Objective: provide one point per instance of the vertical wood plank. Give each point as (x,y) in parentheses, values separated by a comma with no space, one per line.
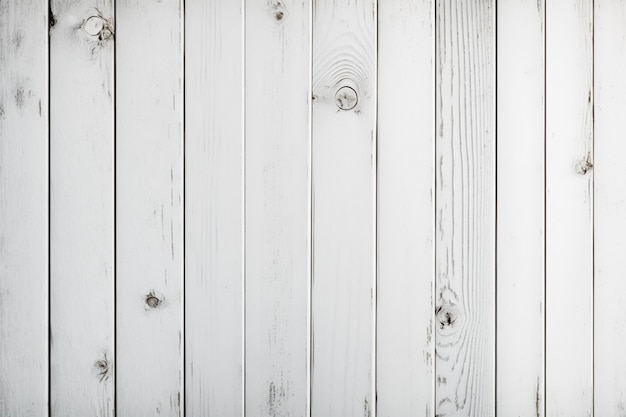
(465,209)
(277,206)
(569,208)
(344,208)
(520,210)
(149,208)
(81,208)
(24,208)
(609,208)
(213,207)
(406,105)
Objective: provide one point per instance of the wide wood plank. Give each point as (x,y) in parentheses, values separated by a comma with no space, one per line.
(344,208)
(520,210)
(277,207)
(81,208)
(149,212)
(465,209)
(569,208)
(406,151)
(609,208)
(213,207)
(24,208)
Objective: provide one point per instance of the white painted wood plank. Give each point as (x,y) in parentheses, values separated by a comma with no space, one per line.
(214,207)
(465,209)
(406,105)
(609,208)
(569,208)
(520,209)
(344,208)
(81,208)
(149,194)
(24,208)
(277,206)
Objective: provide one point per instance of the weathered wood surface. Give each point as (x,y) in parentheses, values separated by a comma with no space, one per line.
(23,208)
(569,208)
(520,214)
(465,209)
(213,207)
(81,209)
(288,208)
(149,208)
(344,208)
(405,342)
(277,204)
(609,208)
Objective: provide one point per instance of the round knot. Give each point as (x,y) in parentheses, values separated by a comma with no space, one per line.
(278,10)
(97,26)
(346,98)
(446,315)
(152,300)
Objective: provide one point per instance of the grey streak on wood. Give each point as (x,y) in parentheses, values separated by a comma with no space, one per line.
(23,208)
(465,209)
(569,208)
(214,208)
(521,208)
(343,294)
(277,85)
(149,207)
(81,213)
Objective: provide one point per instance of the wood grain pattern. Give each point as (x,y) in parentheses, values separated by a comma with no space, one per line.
(609,208)
(465,209)
(405,322)
(344,208)
(149,212)
(214,207)
(520,210)
(569,208)
(23,208)
(81,208)
(277,206)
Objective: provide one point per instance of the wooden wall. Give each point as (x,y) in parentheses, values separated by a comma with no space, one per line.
(312,208)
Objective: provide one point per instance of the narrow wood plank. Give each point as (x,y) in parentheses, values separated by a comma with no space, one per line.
(81,208)
(406,105)
(609,207)
(24,208)
(520,210)
(213,207)
(277,206)
(465,209)
(569,208)
(149,194)
(344,208)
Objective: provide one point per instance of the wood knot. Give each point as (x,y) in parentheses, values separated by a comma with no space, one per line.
(278,10)
(447,316)
(51,19)
(99,27)
(346,98)
(153,300)
(583,166)
(102,369)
